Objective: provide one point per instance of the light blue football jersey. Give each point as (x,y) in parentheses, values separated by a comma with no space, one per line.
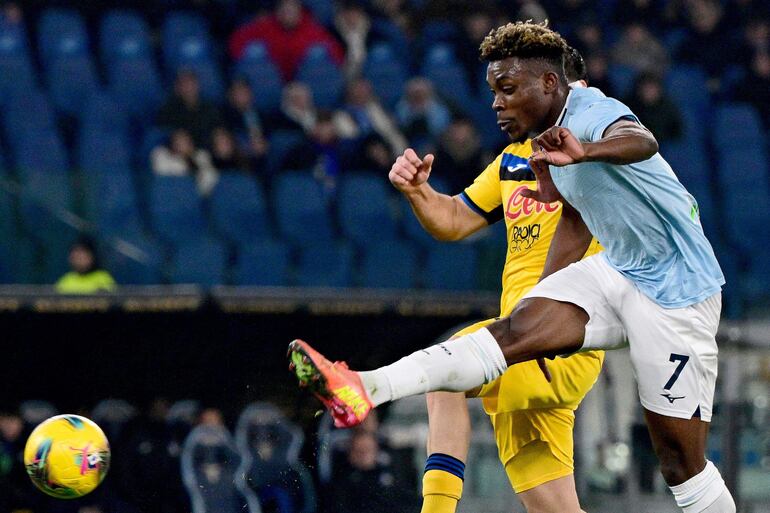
(641,213)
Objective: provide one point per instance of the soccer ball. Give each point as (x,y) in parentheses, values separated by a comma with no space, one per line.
(67,456)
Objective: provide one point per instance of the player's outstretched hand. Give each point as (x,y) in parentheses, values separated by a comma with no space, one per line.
(546,191)
(410,171)
(558,147)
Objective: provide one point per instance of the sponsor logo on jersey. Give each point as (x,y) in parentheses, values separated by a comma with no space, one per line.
(518,205)
(524,237)
(672,398)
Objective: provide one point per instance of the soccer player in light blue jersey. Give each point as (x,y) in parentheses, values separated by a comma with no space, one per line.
(655,288)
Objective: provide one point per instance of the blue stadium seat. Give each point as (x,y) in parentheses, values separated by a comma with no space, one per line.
(29,112)
(272,444)
(124,35)
(71,81)
(134,259)
(364,200)
(281,143)
(41,153)
(451,267)
(61,32)
(686,85)
(322,10)
(260,71)
(176,211)
(104,113)
(690,163)
(17,73)
(301,209)
(441,31)
(136,84)
(202,261)
(386,72)
(744,178)
(392,264)
(110,203)
(18,261)
(737,123)
(622,79)
(447,74)
(239,208)
(325,265)
(187,44)
(211,473)
(43,195)
(104,152)
(263,263)
(323,76)
(411,226)
(384,30)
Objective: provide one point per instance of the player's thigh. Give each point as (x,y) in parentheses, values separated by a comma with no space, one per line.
(673,354)
(557,496)
(568,311)
(536,446)
(679,444)
(524,387)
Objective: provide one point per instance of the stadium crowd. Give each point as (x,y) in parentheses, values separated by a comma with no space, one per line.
(119,111)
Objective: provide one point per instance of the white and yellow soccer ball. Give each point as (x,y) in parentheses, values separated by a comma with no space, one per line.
(67,456)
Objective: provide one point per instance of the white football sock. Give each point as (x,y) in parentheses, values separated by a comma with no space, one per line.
(704,493)
(454,366)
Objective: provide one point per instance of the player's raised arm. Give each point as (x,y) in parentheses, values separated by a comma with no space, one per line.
(444,217)
(570,241)
(623,142)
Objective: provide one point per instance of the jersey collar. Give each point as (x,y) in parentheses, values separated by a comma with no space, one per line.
(566,103)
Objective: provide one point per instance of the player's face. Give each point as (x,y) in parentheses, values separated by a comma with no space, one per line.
(521,96)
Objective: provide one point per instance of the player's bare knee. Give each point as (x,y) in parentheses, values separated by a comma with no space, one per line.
(673,470)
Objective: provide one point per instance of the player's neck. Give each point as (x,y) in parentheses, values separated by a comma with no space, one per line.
(557,107)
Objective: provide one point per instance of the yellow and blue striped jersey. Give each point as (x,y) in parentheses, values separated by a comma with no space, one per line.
(530,225)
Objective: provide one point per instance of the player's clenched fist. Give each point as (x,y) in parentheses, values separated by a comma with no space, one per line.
(410,171)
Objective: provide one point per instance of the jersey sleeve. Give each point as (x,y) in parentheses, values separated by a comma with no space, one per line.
(483,195)
(590,124)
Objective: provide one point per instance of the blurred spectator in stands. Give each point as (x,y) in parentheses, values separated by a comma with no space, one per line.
(147,444)
(529,10)
(324,154)
(86,275)
(244,121)
(420,113)
(187,110)
(395,12)
(288,32)
(374,155)
(367,479)
(211,417)
(476,24)
(564,14)
(597,66)
(756,38)
(655,110)
(755,88)
(180,157)
(352,25)
(708,43)
(638,49)
(298,112)
(645,12)
(14,484)
(11,13)
(460,158)
(227,156)
(589,37)
(363,115)
(740,12)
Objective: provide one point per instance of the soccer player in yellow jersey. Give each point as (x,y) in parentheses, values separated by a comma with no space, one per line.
(533,419)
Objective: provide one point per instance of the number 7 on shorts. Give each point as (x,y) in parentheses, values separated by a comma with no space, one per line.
(682,359)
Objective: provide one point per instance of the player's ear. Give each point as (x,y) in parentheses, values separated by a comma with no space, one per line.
(550,81)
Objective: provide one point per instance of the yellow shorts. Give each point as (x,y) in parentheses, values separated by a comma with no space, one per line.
(533,419)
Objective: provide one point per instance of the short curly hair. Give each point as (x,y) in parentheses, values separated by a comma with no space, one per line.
(526,40)
(574,65)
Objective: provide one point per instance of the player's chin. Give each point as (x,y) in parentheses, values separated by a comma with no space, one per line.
(517,136)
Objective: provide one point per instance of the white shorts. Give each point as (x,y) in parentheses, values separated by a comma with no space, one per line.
(673,350)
